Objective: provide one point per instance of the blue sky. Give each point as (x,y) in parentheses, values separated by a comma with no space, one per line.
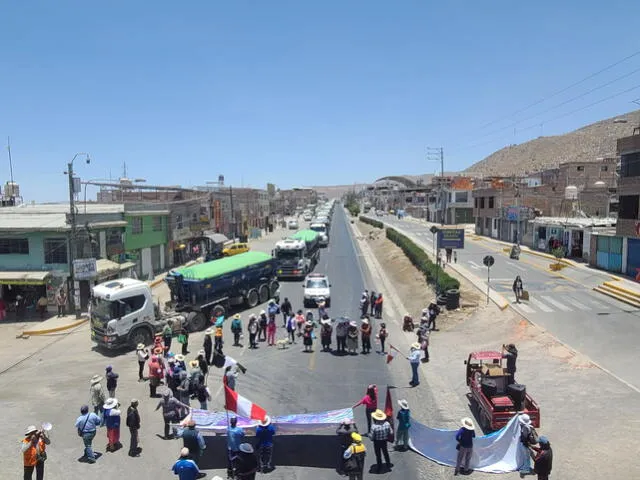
(294,92)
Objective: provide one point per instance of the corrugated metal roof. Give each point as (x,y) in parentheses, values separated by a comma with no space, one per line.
(50,208)
(34,222)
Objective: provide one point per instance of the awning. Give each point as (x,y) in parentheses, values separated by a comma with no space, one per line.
(127,265)
(24,278)
(106,268)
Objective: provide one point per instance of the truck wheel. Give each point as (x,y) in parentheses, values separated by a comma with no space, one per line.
(252,298)
(140,335)
(218,311)
(196,321)
(264,293)
(273,288)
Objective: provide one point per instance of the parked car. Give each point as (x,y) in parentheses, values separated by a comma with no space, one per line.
(235,249)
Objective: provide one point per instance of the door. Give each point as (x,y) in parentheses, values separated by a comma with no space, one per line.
(156,259)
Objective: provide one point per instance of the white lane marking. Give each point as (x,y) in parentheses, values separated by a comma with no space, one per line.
(524,307)
(474,265)
(557,304)
(540,305)
(515,265)
(597,303)
(578,304)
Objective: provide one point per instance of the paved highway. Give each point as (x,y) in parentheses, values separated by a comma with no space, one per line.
(563,303)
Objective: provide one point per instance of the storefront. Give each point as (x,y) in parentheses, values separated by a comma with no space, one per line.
(21,291)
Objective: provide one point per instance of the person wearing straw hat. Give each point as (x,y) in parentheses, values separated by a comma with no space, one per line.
(528,437)
(365,335)
(185,468)
(380,432)
(404,423)
(207,345)
(96,392)
(265,433)
(236,329)
(143,355)
(246,462)
(465,437)
(344,431)
(354,457)
(415,354)
(253,328)
(352,338)
(111,420)
(34,446)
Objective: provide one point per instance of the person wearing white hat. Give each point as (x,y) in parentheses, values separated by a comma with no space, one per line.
(465,437)
(236,329)
(142,353)
(112,422)
(96,393)
(185,468)
(365,335)
(262,326)
(414,357)
(381,431)
(352,338)
(404,423)
(34,452)
(246,462)
(265,433)
(253,328)
(528,437)
(208,345)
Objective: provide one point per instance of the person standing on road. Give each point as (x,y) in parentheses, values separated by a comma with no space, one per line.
(364,304)
(372,302)
(203,366)
(465,437)
(235,435)
(143,355)
(300,321)
(217,338)
(291,328)
(171,407)
(423,340)
(326,330)
(246,463)
(354,457)
(404,423)
(112,381)
(517,288)
(253,328)
(307,337)
(370,402)
(111,420)
(34,454)
(203,394)
(380,432)
(341,335)
(286,309)
(167,337)
(262,326)
(193,440)
(61,302)
(510,353)
(96,393)
(344,431)
(87,424)
(414,360)
(271,330)
(352,338)
(265,433)
(365,334)
(184,390)
(183,339)
(155,375)
(185,468)
(41,306)
(528,438)
(230,376)
(542,458)
(207,345)
(236,329)
(133,422)
(382,336)
(378,309)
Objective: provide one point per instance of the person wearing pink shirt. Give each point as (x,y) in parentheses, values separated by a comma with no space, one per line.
(370,402)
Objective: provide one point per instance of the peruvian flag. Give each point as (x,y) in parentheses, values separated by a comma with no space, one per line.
(388,410)
(391,354)
(241,406)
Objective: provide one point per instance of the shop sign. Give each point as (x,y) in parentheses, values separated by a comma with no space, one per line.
(85,268)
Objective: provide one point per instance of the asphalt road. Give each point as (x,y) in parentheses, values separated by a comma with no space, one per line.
(52,384)
(563,303)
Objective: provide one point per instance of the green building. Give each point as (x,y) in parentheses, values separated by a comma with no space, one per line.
(146,240)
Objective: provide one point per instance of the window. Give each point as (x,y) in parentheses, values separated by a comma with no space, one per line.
(462,197)
(580,168)
(604,168)
(114,237)
(136,225)
(157,223)
(131,304)
(628,207)
(55,250)
(179,225)
(487,223)
(475,202)
(630,165)
(491,201)
(481,202)
(17,246)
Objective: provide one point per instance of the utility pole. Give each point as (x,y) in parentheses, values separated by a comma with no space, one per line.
(437,154)
(231,216)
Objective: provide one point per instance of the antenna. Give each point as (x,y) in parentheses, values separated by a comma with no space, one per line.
(124,169)
(10,161)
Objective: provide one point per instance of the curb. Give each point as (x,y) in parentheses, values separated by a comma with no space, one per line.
(628,291)
(55,329)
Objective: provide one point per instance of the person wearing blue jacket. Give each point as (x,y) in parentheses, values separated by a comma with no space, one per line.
(265,433)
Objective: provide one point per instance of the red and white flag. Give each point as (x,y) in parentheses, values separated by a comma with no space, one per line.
(391,354)
(241,406)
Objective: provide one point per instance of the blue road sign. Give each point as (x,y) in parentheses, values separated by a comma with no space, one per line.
(451,238)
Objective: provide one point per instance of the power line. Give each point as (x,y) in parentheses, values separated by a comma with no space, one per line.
(562,90)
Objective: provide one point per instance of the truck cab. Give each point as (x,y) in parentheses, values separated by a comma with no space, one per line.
(290,255)
(322,230)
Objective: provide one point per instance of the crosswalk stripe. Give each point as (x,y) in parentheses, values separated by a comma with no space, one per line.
(597,303)
(581,306)
(524,307)
(557,304)
(540,305)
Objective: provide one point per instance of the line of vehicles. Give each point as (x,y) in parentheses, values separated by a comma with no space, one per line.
(123,312)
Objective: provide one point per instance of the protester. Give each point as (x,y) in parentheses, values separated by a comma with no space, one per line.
(143,355)
(61,302)
(203,394)
(354,457)
(517,288)
(207,345)
(111,420)
(236,329)
(414,360)
(171,407)
(272,310)
(157,344)
(300,321)
(465,437)
(542,458)
(326,330)
(407,323)
(372,302)
(370,402)
(432,314)
(195,375)
(365,334)
(510,353)
(364,304)
(183,339)
(235,435)
(167,336)
(271,329)
(180,362)
(246,463)
(156,373)
(528,438)
(286,309)
(41,306)
(184,388)
(404,423)
(262,326)
(382,336)
(378,306)
(185,468)
(291,328)
(112,381)
(307,337)
(217,337)
(193,440)
(97,394)
(203,365)
(344,431)
(264,434)
(87,425)
(230,376)
(352,338)
(133,422)
(34,452)
(379,434)
(322,308)
(423,340)
(341,335)
(253,328)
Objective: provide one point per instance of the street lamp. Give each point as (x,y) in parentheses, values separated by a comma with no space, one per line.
(73,241)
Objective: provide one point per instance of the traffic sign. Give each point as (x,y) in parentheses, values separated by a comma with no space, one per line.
(451,238)
(488,261)
(434,229)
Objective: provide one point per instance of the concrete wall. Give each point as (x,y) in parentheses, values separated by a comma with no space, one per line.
(35,259)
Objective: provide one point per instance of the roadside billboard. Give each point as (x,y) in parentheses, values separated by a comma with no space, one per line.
(451,238)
